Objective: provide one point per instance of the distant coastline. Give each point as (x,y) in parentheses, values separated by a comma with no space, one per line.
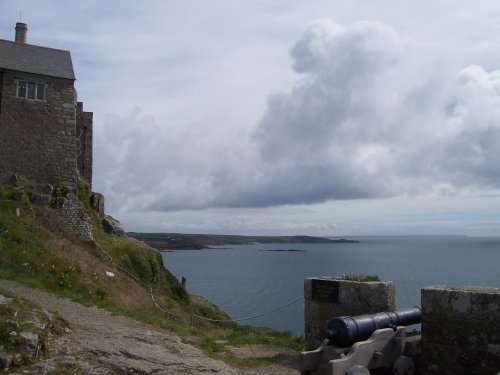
(179,241)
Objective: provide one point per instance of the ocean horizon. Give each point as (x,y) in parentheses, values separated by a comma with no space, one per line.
(250,280)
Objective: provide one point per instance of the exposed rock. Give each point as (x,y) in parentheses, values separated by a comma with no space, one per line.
(17,360)
(102,344)
(97,202)
(258,351)
(46,189)
(59,202)
(112,226)
(4,300)
(105,344)
(44,368)
(5,361)
(48,317)
(29,339)
(12,336)
(18,195)
(40,199)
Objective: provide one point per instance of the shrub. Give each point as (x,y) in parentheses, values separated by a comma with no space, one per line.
(357,277)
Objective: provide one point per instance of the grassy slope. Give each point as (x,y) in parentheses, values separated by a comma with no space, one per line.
(35,251)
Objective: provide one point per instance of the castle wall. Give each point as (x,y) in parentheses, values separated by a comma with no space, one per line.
(38,137)
(461,330)
(84,142)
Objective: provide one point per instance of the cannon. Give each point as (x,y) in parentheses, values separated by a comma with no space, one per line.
(355,344)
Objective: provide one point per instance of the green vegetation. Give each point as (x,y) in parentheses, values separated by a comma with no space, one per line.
(357,277)
(35,250)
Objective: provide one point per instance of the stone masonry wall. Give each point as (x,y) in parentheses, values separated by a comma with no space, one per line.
(65,206)
(38,137)
(84,140)
(461,330)
(326,298)
(76,221)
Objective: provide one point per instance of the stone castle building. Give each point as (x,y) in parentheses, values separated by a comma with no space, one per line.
(45,136)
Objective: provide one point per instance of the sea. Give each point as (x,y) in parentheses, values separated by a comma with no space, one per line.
(252,283)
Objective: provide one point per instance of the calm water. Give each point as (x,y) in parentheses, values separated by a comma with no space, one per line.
(245,281)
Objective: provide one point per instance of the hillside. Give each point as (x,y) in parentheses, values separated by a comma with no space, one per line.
(178,241)
(117,273)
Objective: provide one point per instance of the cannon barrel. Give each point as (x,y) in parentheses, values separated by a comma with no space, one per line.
(346,330)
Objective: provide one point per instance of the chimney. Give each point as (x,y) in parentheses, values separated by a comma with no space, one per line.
(21,31)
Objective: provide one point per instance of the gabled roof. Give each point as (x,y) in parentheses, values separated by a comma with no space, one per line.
(35,59)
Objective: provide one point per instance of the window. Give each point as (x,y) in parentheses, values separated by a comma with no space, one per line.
(21,89)
(40,91)
(30,90)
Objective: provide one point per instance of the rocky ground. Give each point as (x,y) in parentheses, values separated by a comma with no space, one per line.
(98,343)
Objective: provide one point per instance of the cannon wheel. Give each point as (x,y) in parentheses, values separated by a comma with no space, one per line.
(403,365)
(358,370)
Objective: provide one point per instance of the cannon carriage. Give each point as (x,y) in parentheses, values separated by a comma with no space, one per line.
(354,345)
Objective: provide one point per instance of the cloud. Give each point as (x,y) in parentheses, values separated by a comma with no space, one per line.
(370,116)
(472,130)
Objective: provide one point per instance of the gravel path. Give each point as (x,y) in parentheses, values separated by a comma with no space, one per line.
(101,343)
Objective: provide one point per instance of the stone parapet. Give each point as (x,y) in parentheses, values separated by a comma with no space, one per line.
(328,298)
(461,330)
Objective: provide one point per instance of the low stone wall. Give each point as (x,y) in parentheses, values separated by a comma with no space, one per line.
(75,219)
(69,214)
(327,298)
(461,330)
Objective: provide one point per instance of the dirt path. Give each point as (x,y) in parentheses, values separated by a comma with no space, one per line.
(101,343)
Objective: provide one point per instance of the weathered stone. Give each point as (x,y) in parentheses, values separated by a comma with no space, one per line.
(4,300)
(44,368)
(70,195)
(17,360)
(18,195)
(97,202)
(29,339)
(84,131)
(46,188)
(40,199)
(104,343)
(73,217)
(59,202)
(13,337)
(5,360)
(460,330)
(327,298)
(48,317)
(112,226)
(47,140)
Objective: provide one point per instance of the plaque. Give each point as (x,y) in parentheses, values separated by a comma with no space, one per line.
(325,291)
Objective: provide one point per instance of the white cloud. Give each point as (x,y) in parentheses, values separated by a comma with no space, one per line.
(362,122)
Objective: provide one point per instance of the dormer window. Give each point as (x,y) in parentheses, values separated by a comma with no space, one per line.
(30,90)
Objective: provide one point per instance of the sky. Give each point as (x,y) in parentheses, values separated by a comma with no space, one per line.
(325,117)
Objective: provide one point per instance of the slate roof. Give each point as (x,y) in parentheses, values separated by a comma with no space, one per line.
(35,59)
